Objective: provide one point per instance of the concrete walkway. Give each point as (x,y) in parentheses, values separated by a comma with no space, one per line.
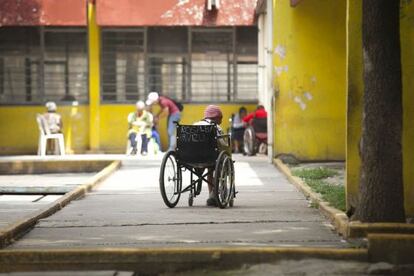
(22,195)
(127,211)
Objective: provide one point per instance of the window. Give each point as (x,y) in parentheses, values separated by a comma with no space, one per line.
(185,63)
(65,66)
(122,60)
(167,61)
(212,65)
(41,64)
(247,73)
(20,55)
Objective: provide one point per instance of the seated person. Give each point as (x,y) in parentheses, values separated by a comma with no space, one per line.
(53,120)
(237,129)
(257,119)
(213,115)
(140,123)
(259,113)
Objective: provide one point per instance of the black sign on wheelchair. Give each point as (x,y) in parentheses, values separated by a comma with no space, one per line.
(198,153)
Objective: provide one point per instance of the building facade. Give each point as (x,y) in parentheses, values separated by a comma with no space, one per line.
(97,58)
(318,85)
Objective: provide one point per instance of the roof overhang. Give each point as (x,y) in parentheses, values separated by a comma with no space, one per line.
(43,13)
(175,13)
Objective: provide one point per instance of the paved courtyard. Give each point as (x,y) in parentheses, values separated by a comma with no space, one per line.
(127,210)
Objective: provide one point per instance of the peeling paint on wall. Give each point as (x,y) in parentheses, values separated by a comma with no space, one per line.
(301,91)
(300,102)
(280,51)
(280,69)
(308,96)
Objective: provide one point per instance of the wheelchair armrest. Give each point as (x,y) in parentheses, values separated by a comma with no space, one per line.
(225,136)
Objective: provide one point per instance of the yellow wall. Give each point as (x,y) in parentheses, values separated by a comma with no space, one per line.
(114,126)
(355,92)
(309,69)
(19,131)
(20,123)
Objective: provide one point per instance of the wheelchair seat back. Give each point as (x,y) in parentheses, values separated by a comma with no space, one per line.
(260,125)
(197,145)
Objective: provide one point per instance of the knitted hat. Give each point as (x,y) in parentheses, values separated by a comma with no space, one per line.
(212,111)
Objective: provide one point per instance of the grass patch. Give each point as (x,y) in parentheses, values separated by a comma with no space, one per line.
(314,173)
(334,194)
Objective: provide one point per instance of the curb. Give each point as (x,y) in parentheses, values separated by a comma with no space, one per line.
(344,227)
(155,261)
(51,166)
(358,229)
(338,218)
(392,248)
(14,231)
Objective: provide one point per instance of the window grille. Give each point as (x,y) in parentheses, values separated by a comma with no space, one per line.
(122,58)
(20,55)
(185,63)
(212,65)
(41,64)
(166,74)
(247,72)
(168,61)
(65,66)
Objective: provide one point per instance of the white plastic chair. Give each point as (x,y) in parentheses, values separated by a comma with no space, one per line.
(45,134)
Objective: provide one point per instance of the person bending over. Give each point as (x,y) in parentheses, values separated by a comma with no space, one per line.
(167,106)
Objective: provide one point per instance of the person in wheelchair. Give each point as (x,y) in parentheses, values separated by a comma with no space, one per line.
(204,152)
(214,116)
(255,135)
(259,113)
(140,126)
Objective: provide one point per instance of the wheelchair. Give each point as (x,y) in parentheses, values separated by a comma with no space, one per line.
(198,153)
(255,137)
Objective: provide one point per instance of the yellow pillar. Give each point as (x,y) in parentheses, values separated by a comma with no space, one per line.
(94,41)
(407,60)
(355,91)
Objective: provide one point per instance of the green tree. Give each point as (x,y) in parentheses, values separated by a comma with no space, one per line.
(381,184)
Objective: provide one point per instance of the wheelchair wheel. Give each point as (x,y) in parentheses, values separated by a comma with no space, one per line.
(262,149)
(190,199)
(233,191)
(249,141)
(170,180)
(224,180)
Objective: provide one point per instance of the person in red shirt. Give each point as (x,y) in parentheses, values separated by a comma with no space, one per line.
(167,106)
(259,113)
